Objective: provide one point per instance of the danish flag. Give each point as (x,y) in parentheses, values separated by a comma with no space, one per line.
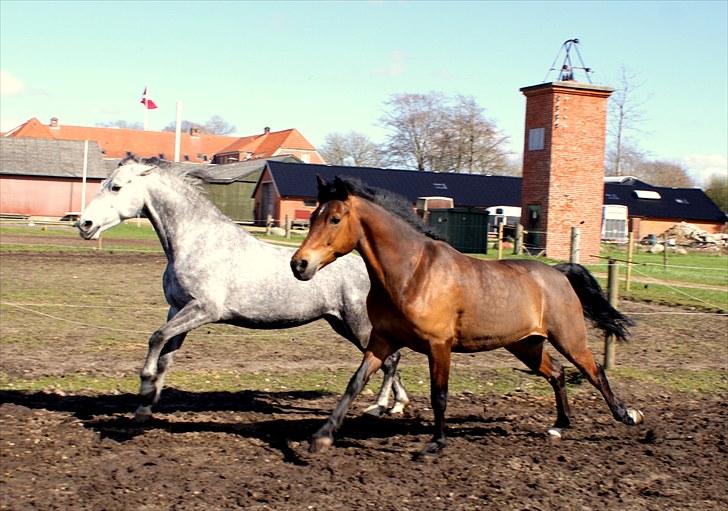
(147,102)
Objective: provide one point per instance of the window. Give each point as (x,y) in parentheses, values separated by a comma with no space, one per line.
(535,139)
(611,196)
(311,203)
(682,201)
(440,186)
(647,194)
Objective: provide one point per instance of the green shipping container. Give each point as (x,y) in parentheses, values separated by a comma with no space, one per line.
(464,228)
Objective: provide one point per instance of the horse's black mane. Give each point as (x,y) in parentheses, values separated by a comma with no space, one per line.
(392,202)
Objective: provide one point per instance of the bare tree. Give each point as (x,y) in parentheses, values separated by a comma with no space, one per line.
(663,173)
(717,190)
(625,115)
(215,125)
(433,132)
(352,148)
(120,123)
(414,121)
(631,157)
(475,145)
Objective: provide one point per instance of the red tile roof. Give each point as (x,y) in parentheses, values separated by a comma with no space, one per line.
(116,142)
(271,143)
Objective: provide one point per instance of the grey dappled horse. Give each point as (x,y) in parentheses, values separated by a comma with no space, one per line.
(218,273)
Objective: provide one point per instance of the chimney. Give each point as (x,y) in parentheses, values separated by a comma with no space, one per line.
(54,122)
(195,132)
(266,130)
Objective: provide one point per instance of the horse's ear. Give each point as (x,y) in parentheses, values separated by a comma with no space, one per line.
(320,181)
(334,190)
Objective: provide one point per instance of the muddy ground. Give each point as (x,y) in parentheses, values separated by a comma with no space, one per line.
(247,449)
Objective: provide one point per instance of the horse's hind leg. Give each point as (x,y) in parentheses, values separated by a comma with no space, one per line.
(531,352)
(577,352)
(391,382)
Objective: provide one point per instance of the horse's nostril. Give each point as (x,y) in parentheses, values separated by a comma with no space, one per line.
(299,266)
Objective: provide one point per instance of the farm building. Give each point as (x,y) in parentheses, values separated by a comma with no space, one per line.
(40,177)
(230,186)
(43,178)
(289,189)
(195,146)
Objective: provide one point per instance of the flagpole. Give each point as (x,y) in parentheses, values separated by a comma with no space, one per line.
(146,108)
(84,173)
(178,132)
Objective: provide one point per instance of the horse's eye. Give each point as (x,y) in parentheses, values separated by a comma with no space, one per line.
(335,220)
(115,188)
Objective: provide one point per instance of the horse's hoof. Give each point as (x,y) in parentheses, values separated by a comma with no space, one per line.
(554,432)
(397,408)
(320,444)
(430,451)
(635,416)
(143,415)
(375,410)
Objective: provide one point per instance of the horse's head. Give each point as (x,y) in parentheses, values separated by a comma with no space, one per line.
(333,231)
(121,196)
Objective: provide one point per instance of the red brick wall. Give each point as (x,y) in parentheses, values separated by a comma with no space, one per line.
(566,177)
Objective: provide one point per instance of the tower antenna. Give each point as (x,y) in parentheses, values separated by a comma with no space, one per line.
(566,71)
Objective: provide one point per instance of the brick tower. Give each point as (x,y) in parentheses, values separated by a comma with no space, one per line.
(563,166)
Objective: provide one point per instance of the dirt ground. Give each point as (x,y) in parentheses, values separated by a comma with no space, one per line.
(247,449)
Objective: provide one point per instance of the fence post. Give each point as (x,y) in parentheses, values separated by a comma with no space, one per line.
(574,258)
(500,241)
(288,227)
(268,224)
(630,254)
(664,252)
(613,295)
(518,243)
(99,244)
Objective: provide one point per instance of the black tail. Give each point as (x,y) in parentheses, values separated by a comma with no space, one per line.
(596,306)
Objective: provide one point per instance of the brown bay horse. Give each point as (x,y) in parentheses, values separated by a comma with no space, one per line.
(427,296)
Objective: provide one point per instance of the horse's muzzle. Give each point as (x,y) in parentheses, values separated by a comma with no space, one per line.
(86,229)
(301,269)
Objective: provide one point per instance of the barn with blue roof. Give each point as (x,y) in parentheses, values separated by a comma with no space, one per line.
(289,190)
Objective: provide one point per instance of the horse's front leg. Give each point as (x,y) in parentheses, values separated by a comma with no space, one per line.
(377,351)
(166,357)
(163,343)
(439,360)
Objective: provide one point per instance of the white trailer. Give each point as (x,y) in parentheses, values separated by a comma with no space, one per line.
(615,222)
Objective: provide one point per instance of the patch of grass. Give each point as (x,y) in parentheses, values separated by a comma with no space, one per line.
(705,381)
(415,378)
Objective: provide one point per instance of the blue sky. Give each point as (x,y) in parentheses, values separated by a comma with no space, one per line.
(329,66)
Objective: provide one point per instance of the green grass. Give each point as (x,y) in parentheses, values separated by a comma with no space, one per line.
(679,380)
(499,381)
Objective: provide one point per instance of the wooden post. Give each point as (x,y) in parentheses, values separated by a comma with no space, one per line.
(518,244)
(500,241)
(664,252)
(268,224)
(99,243)
(288,227)
(574,258)
(613,295)
(630,255)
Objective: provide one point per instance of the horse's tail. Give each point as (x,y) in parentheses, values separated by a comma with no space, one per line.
(596,307)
